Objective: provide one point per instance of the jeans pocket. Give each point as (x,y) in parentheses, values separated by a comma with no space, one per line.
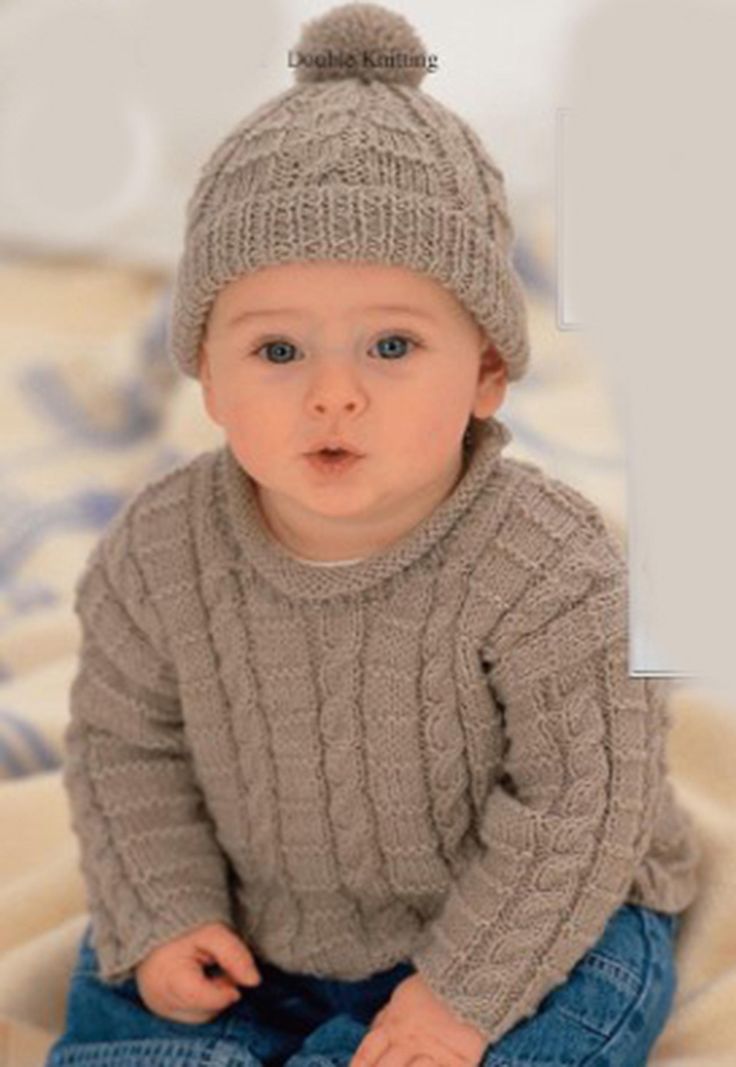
(624,987)
(598,994)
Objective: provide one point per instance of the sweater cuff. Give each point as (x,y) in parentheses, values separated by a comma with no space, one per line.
(431,963)
(118,958)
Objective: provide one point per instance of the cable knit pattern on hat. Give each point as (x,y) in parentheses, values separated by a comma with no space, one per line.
(434,753)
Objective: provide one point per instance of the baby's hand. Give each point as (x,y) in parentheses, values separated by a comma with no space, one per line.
(417,1024)
(172,983)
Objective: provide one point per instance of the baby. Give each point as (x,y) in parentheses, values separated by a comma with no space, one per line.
(357,769)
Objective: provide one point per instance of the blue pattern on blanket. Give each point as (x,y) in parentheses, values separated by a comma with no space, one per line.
(60,484)
(28,522)
(45,388)
(23,749)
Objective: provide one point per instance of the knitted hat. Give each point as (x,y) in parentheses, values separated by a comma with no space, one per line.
(354,162)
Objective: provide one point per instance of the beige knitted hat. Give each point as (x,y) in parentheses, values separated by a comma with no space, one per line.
(353,162)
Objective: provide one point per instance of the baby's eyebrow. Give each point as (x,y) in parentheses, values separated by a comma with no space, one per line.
(244,316)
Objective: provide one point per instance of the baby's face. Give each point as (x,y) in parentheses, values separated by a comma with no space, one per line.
(381,357)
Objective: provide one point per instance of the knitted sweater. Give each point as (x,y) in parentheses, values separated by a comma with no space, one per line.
(432,754)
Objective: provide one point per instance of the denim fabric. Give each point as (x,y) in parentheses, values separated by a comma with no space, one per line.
(607,1013)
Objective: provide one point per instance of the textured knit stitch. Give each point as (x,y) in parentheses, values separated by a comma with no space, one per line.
(434,754)
(328,562)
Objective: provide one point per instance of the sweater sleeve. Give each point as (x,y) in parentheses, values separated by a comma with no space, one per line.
(151,864)
(562,832)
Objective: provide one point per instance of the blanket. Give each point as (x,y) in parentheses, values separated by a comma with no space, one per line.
(91,409)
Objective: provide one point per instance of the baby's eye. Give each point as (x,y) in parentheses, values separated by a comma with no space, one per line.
(279,349)
(392,353)
(278,346)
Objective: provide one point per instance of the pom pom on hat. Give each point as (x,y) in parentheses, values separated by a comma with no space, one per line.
(353,41)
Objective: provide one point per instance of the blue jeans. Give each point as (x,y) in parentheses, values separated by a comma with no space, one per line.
(607,1013)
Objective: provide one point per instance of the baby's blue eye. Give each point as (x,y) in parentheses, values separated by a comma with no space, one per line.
(279,349)
(395,337)
(271,345)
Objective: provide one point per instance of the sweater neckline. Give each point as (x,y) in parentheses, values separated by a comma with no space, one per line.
(301,579)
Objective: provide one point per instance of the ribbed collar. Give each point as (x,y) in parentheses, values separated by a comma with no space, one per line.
(303,581)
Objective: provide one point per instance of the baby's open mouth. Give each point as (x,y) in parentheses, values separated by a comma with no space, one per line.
(334,450)
(333,458)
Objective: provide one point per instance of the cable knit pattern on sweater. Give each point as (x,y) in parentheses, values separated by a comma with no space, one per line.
(434,753)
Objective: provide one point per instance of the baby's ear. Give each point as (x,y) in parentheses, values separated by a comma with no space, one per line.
(492,382)
(492,363)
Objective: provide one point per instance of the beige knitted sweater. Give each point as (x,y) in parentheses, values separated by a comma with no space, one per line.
(434,753)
